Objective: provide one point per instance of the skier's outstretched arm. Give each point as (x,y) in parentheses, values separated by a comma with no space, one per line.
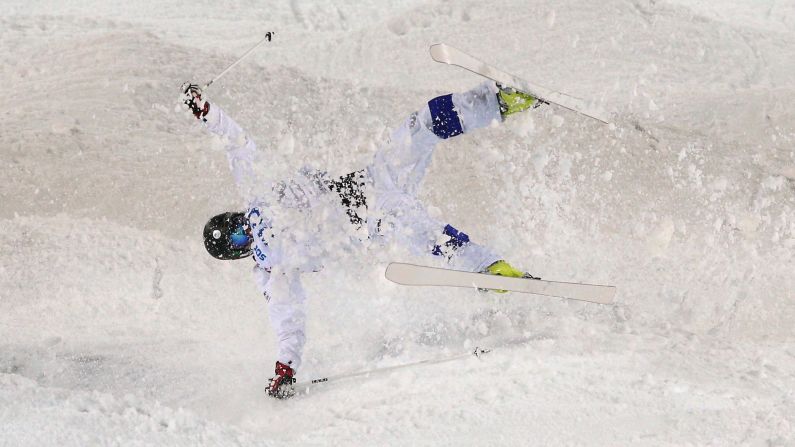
(286,309)
(241,150)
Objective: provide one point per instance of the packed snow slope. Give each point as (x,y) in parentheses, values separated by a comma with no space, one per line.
(117,329)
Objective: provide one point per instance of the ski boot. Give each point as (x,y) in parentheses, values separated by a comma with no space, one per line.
(514,101)
(502,268)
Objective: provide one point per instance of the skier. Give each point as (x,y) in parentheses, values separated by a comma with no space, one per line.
(378,202)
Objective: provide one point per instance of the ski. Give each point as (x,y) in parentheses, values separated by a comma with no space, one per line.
(447,54)
(306,387)
(417,275)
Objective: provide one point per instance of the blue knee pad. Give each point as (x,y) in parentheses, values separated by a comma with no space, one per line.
(457,240)
(445,119)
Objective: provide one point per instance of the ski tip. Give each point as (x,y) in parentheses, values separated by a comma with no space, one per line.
(395,271)
(439,53)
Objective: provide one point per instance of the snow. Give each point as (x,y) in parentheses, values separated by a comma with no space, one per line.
(117,329)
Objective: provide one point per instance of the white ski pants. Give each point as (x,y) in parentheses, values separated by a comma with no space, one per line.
(400,165)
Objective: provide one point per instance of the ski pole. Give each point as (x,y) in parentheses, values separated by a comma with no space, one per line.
(267,37)
(304,386)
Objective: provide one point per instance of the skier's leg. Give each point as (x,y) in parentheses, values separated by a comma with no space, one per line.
(407,222)
(401,162)
(403,219)
(423,234)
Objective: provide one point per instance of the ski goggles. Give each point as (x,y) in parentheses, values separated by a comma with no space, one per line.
(239,238)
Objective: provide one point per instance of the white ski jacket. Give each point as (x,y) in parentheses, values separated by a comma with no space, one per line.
(393,179)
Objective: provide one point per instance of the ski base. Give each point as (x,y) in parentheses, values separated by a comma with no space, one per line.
(417,275)
(447,54)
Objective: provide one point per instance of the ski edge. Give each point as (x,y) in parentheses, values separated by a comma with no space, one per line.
(418,275)
(441,52)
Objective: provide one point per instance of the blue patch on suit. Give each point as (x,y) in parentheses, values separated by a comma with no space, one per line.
(457,240)
(444,116)
(252,213)
(259,254)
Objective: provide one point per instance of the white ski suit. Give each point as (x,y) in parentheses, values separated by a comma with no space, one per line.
(392,180)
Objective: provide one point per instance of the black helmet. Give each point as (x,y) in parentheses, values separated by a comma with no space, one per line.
(226,236)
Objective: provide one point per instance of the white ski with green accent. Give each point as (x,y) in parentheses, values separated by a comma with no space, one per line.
(447,54)
(418,275)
